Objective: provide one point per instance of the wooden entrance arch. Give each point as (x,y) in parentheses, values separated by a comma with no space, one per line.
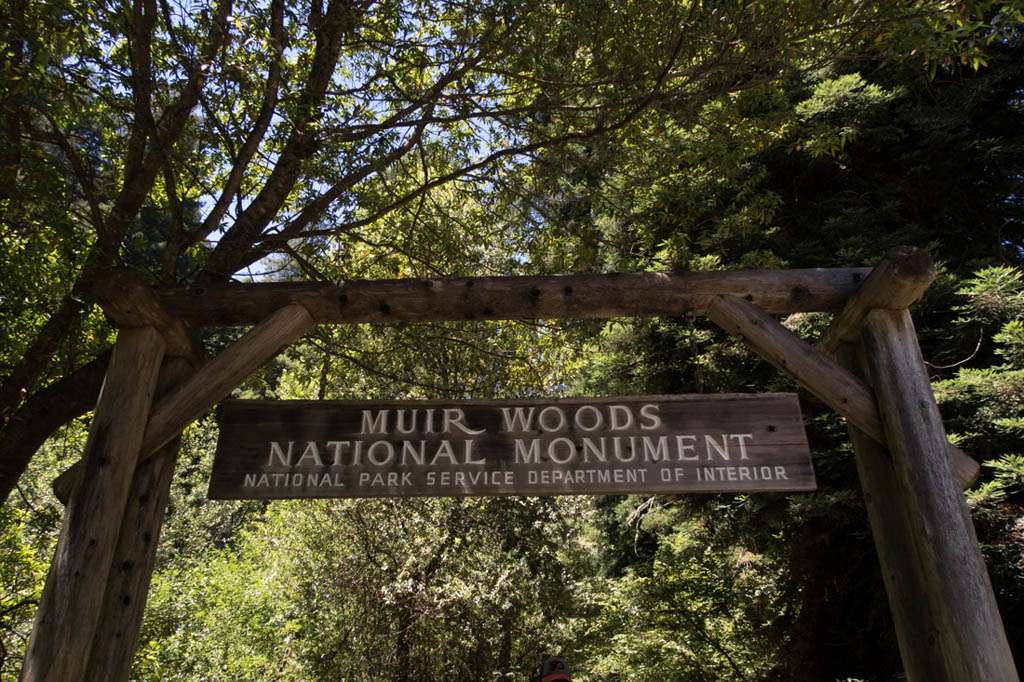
(946,619)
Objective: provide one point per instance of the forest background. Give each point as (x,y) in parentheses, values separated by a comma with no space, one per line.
(333,140)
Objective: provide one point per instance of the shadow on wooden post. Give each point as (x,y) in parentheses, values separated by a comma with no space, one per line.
(966,636)
(117,635)
(71,603)
(909,604)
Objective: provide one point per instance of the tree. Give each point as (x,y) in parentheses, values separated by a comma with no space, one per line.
(294,130)
(405,139)
(835,167)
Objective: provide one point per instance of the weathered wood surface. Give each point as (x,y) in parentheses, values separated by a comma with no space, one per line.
(812,369)
(70,606)
(965,631)
(117,634)
(129,302)
(510,298)
(65,483)
(901,568)
(208,386)
(221,375)
(896,283)
(651,444)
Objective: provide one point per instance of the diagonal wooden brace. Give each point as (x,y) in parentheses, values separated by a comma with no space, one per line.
(211,384)
(223,374)
(838,388)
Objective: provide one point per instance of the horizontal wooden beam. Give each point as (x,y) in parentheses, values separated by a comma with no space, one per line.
(129,302)
(896,283)
(837,387)
(638,294)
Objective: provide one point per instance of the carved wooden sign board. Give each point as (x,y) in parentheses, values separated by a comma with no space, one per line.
(656,444)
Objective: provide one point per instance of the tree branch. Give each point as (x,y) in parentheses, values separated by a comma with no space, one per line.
(44,413)
(17,386)
(259,129)
(300,145)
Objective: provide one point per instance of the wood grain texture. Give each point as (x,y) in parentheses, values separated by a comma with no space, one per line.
(896,283)
(815,371)
(509,298)
(221,375)
(209,386)
(819,374)
(651,444)
(65,483)
(70,606)
(912,612)
(129,302)
(117,633)
(970,641)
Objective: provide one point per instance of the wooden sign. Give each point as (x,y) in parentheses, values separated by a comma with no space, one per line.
(654,444)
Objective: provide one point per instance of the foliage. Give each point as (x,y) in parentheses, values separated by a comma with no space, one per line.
(984,406)
(833,167)
(696,615)
(984,411)
(392,589)
(196,144)
(210,623)
(28,535)
(201,142)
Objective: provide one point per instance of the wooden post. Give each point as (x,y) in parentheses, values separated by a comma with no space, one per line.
(130,303)
(113,646)
(213,382)
(187,397)
(965,635)
(911,609)
(70,606)
(896,283)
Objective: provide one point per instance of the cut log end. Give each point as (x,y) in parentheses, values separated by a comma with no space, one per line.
(967,469)
(896,283)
